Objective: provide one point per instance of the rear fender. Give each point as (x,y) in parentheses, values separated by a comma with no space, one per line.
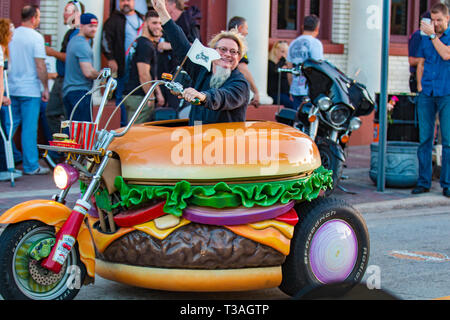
(55,214)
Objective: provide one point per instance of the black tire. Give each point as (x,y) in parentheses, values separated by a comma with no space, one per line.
(331,162)
(16,282)
(302,269)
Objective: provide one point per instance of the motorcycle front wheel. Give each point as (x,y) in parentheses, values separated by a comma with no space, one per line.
(23,278)
(331,162)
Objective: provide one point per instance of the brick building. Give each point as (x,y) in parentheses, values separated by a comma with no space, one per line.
(350,31)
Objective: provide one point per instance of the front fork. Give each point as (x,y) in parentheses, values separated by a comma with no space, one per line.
(313,119)
(66,236)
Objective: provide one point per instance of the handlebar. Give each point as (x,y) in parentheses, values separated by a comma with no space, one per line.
(174,87)
(177,89)
(295,71)
(105,137)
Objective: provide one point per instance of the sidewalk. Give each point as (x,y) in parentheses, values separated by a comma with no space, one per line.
(364,195)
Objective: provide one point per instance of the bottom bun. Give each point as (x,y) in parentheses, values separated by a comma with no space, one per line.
(191,279)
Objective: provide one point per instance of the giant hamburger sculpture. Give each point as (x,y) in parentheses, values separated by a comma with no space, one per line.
(204,208)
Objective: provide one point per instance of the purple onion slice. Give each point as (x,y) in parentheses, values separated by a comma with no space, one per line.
(235,216)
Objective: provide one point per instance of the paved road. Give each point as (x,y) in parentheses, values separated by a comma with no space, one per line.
(409,252)
(410,258)
(411,249)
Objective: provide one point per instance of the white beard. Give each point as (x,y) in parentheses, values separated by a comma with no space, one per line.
(219,77)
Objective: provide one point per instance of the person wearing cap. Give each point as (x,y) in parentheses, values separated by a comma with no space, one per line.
(55,112)
(79,70)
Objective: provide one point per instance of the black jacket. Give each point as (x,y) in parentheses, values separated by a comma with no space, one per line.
(272,78)
(113,38)
(226,104)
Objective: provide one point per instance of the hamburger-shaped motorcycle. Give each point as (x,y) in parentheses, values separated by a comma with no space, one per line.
(164,205)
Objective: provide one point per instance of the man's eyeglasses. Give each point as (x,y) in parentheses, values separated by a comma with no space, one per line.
(224,50)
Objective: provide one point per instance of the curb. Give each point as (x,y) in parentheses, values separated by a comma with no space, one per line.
(406,203)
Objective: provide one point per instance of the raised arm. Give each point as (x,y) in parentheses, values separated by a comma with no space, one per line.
(175,35)
(442,49)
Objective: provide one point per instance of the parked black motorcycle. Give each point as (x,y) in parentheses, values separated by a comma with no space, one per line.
(330,113)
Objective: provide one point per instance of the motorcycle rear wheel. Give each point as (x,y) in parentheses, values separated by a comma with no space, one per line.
(22,278)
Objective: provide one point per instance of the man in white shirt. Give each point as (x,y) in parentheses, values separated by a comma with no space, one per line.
(306,46)
(27,72)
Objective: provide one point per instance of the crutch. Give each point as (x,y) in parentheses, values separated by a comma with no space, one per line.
(9,154)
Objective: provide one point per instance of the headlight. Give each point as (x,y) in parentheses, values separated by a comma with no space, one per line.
(355,124)
(338,114)
(64,176)
(324,103)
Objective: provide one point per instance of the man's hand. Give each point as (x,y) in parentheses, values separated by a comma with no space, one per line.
(164,46)
(159,4)
(160,7)
(419,88)
(45,95)
(6,101)
(160,99)
(427,28)
(255,100)
(190,94)
(112,64)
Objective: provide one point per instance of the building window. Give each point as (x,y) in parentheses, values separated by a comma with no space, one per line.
(405,16)
(287,17)
(314,7)
(399,17)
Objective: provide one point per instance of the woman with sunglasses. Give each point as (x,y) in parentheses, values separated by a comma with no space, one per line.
(223,92)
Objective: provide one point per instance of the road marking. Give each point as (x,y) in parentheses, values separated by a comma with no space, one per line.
(420,256)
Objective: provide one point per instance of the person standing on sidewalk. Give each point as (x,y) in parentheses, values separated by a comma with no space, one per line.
(55,112)
(79,70)
(413,46)
(143,68)
(433,74)
(277,59)
(306,46)
(240,24)
(119,32)
(6,33)
(27,72)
